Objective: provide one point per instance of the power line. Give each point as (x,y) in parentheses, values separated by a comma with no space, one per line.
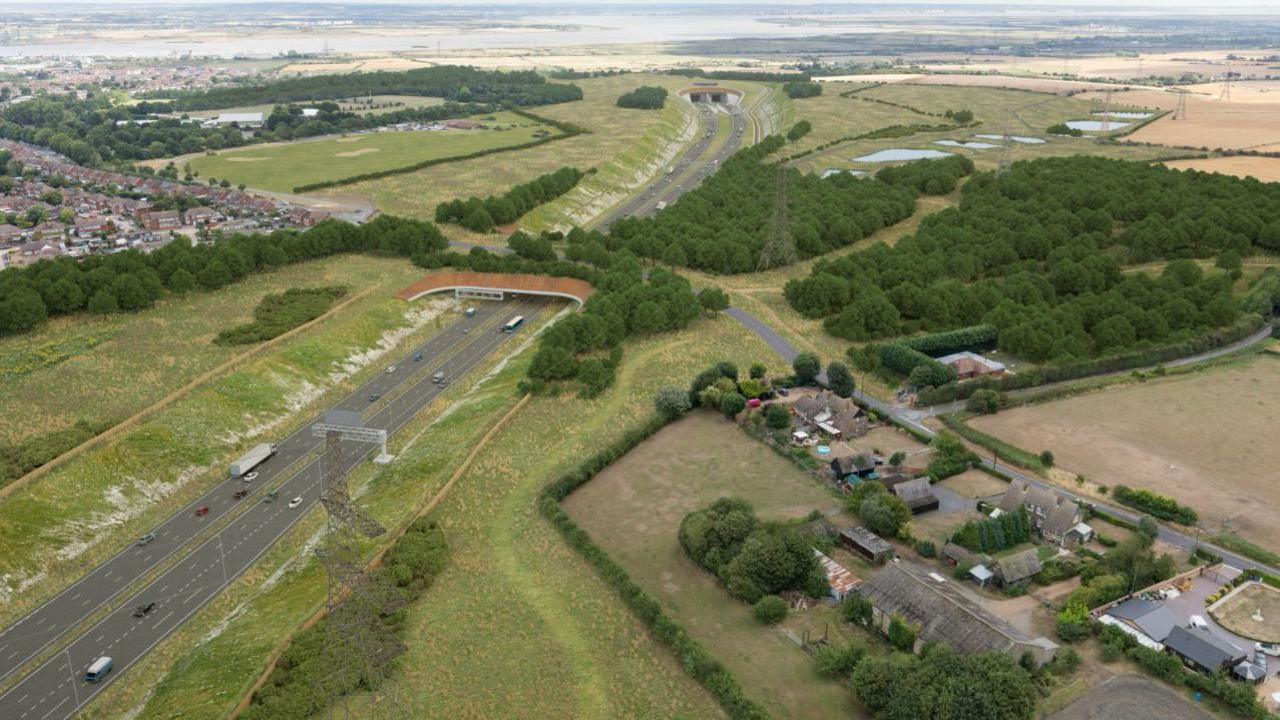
(780,247)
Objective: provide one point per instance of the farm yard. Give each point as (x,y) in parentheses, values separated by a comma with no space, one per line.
(625,146)
(1175,436)
(633,511)
(283,166)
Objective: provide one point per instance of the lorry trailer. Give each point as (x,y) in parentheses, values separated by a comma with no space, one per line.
(252,459)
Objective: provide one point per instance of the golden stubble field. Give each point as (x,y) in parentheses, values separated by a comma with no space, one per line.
(1249,120)
(1206,439)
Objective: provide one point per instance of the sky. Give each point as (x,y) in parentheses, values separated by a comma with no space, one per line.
(1074,4)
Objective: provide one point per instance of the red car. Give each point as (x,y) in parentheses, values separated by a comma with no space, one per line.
(202,511)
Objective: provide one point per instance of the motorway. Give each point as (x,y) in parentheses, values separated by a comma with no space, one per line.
(56,689)
(690,168)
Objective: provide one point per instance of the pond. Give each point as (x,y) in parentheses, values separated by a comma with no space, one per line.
(899,154)
(1124,115)
(1015,138)
(967,145)
(1096,125)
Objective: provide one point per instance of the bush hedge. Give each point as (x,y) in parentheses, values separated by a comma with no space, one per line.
(974,337)
(278,313)
(1165,508)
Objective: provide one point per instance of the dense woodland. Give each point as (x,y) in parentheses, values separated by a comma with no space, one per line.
(451,82)
(479,215)
(722,225)
(646,97)
(1038,252)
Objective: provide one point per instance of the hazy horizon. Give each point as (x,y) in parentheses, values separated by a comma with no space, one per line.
(842,6)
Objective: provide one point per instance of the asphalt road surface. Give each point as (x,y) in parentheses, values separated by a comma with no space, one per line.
(690,168)
(57,688)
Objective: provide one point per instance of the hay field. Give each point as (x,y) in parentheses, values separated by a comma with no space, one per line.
(282,167)
(1176,64)
(633,510)
(140,357)
(1206,439)
(1210,122)
(1266,169)
(627,142)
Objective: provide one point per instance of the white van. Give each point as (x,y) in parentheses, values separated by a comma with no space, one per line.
(98,669)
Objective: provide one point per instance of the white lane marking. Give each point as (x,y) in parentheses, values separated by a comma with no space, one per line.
(161,620)
(54,709)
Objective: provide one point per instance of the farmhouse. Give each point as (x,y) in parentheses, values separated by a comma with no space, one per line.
(971,365)
(945,612)
(829,413)
(1146,621)
(841,581)
(1017,568)
(1201,651)
(1053,515)
(917,494)
(866,543)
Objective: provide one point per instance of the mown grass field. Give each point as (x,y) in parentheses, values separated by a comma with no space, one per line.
(141,357)
(57,527)
(284,166)
(633,511)
(515,597)
(625,146)
(202,671)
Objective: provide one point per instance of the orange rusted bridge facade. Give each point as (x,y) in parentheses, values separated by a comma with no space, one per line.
(494,286)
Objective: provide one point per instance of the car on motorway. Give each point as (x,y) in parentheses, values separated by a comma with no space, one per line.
(271,496)
(202,511)
(471,312)
(146,539)
(374,397)
(250,477)
(391,369)
(295,502)
(240,494)
(417,357)
(144,609)
(98,669)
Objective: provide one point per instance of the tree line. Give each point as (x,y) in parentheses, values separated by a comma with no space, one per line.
(645,97)
(132,280)
(480,215)
(1038,252)
(722,225)
(796,89)
(451,82)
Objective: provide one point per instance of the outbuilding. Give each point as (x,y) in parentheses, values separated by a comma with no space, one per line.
(866,543)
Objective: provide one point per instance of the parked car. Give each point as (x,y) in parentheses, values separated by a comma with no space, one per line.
(142,610)
(202,511)
(250,476)
(295,502)
(240,494)
(784,392)
(1197,622)
(1272,649)
(146,539)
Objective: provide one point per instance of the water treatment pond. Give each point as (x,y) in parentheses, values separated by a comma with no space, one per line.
(1096,125)
(1124,115)
(900,154)
(1015,138)
(836,171)
(967,145)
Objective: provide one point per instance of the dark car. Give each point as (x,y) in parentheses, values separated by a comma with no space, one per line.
(202,511)
(240,494)
(374,397)
(417,357)
(142,610)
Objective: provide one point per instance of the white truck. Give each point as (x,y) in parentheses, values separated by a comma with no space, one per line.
(252,459)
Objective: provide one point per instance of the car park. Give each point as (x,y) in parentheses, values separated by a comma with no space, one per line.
(144,609)
(202,511)
(146,539)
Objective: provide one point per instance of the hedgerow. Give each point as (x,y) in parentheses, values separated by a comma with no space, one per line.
(1161,506)
(277,313)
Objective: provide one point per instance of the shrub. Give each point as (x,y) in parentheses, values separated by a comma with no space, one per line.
(839,661)
(806,366)
(840,379)
(1073,622)
(278,313)
(1062,129)
(777,417)
(1111,653)
(770,610)
(984,402)
(1163,507)
(645,97)
(672,402)
(713,299)
(732,403)
(799,130)
(796,89)
(926,548)
(901,635)
(1046,458)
